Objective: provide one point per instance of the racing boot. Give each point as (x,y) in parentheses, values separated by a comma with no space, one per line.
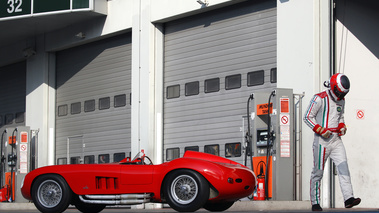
(316,208)
(352,202)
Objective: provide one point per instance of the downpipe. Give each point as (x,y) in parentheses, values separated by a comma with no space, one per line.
(123,199)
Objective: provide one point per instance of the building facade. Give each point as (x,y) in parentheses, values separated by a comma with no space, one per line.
(101,80)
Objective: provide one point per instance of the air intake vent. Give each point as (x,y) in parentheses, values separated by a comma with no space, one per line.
(105,183)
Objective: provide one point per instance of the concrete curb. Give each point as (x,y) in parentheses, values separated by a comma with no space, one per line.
(270,205)
(17,206)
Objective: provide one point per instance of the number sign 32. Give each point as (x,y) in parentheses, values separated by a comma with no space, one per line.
(14,6)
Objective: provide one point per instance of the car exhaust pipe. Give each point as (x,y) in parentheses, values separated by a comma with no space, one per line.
(118,197)
(124,199)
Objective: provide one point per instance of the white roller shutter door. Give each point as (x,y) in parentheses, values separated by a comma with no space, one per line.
(93,100)
(213,62)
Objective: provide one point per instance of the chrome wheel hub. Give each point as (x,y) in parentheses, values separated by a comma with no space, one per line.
(184,189)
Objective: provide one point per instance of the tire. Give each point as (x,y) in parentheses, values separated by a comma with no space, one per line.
(218,207)
(89,208)
(186,190)
(51,194)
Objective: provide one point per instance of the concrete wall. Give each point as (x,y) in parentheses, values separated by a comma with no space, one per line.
(304,51)
(303,62)
(40,101)
(357,54)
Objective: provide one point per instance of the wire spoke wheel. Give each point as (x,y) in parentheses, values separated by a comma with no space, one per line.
(49,193)
(184,189)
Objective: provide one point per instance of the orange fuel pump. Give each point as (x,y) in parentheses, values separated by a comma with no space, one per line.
(14,155)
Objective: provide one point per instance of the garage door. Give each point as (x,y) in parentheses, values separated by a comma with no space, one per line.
(93,102)
(213,62)
(12,95)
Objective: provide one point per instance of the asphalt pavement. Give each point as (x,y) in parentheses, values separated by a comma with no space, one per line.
(167,210)
(238,207)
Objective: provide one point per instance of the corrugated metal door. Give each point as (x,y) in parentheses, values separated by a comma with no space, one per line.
(213,62)
(12,95)
(93,101)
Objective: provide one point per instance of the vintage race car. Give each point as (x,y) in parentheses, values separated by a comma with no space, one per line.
(194,181)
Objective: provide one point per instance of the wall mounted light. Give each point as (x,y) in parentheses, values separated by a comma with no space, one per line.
(203,2)
(81,35)
(27,52)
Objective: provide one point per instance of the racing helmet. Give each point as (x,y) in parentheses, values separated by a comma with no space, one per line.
(339,85)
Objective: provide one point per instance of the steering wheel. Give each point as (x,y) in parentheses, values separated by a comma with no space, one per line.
(142,160)
(150,162)
(139,161)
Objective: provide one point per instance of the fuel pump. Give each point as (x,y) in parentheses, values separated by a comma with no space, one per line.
(272,144)
(12,161)
(15,162)
(3,191)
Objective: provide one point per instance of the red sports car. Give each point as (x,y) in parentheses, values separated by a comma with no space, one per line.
(196,180)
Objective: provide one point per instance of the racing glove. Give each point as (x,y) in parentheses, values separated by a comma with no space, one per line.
(341,129)
(325,133)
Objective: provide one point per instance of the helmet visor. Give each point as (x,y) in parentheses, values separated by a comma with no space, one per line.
(340,95)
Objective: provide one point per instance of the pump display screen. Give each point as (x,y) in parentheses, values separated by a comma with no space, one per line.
(24,8)
(262,137)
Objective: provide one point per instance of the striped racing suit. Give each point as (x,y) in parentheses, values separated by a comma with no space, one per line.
(328,113)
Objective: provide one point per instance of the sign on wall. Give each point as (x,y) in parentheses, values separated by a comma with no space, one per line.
(24,8)
(285,142)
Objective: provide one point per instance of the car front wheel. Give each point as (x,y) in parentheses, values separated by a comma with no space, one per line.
(51,194)
(186,190)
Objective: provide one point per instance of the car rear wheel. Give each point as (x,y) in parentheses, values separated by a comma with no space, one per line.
(51,194)
(186,190)
(218,207)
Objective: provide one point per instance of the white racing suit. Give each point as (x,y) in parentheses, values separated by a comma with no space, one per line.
(328,113)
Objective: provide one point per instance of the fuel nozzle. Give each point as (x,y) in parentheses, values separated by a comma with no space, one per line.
(272,134)
(12,159)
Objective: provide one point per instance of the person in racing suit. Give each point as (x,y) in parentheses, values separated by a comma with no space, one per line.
(325,116)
